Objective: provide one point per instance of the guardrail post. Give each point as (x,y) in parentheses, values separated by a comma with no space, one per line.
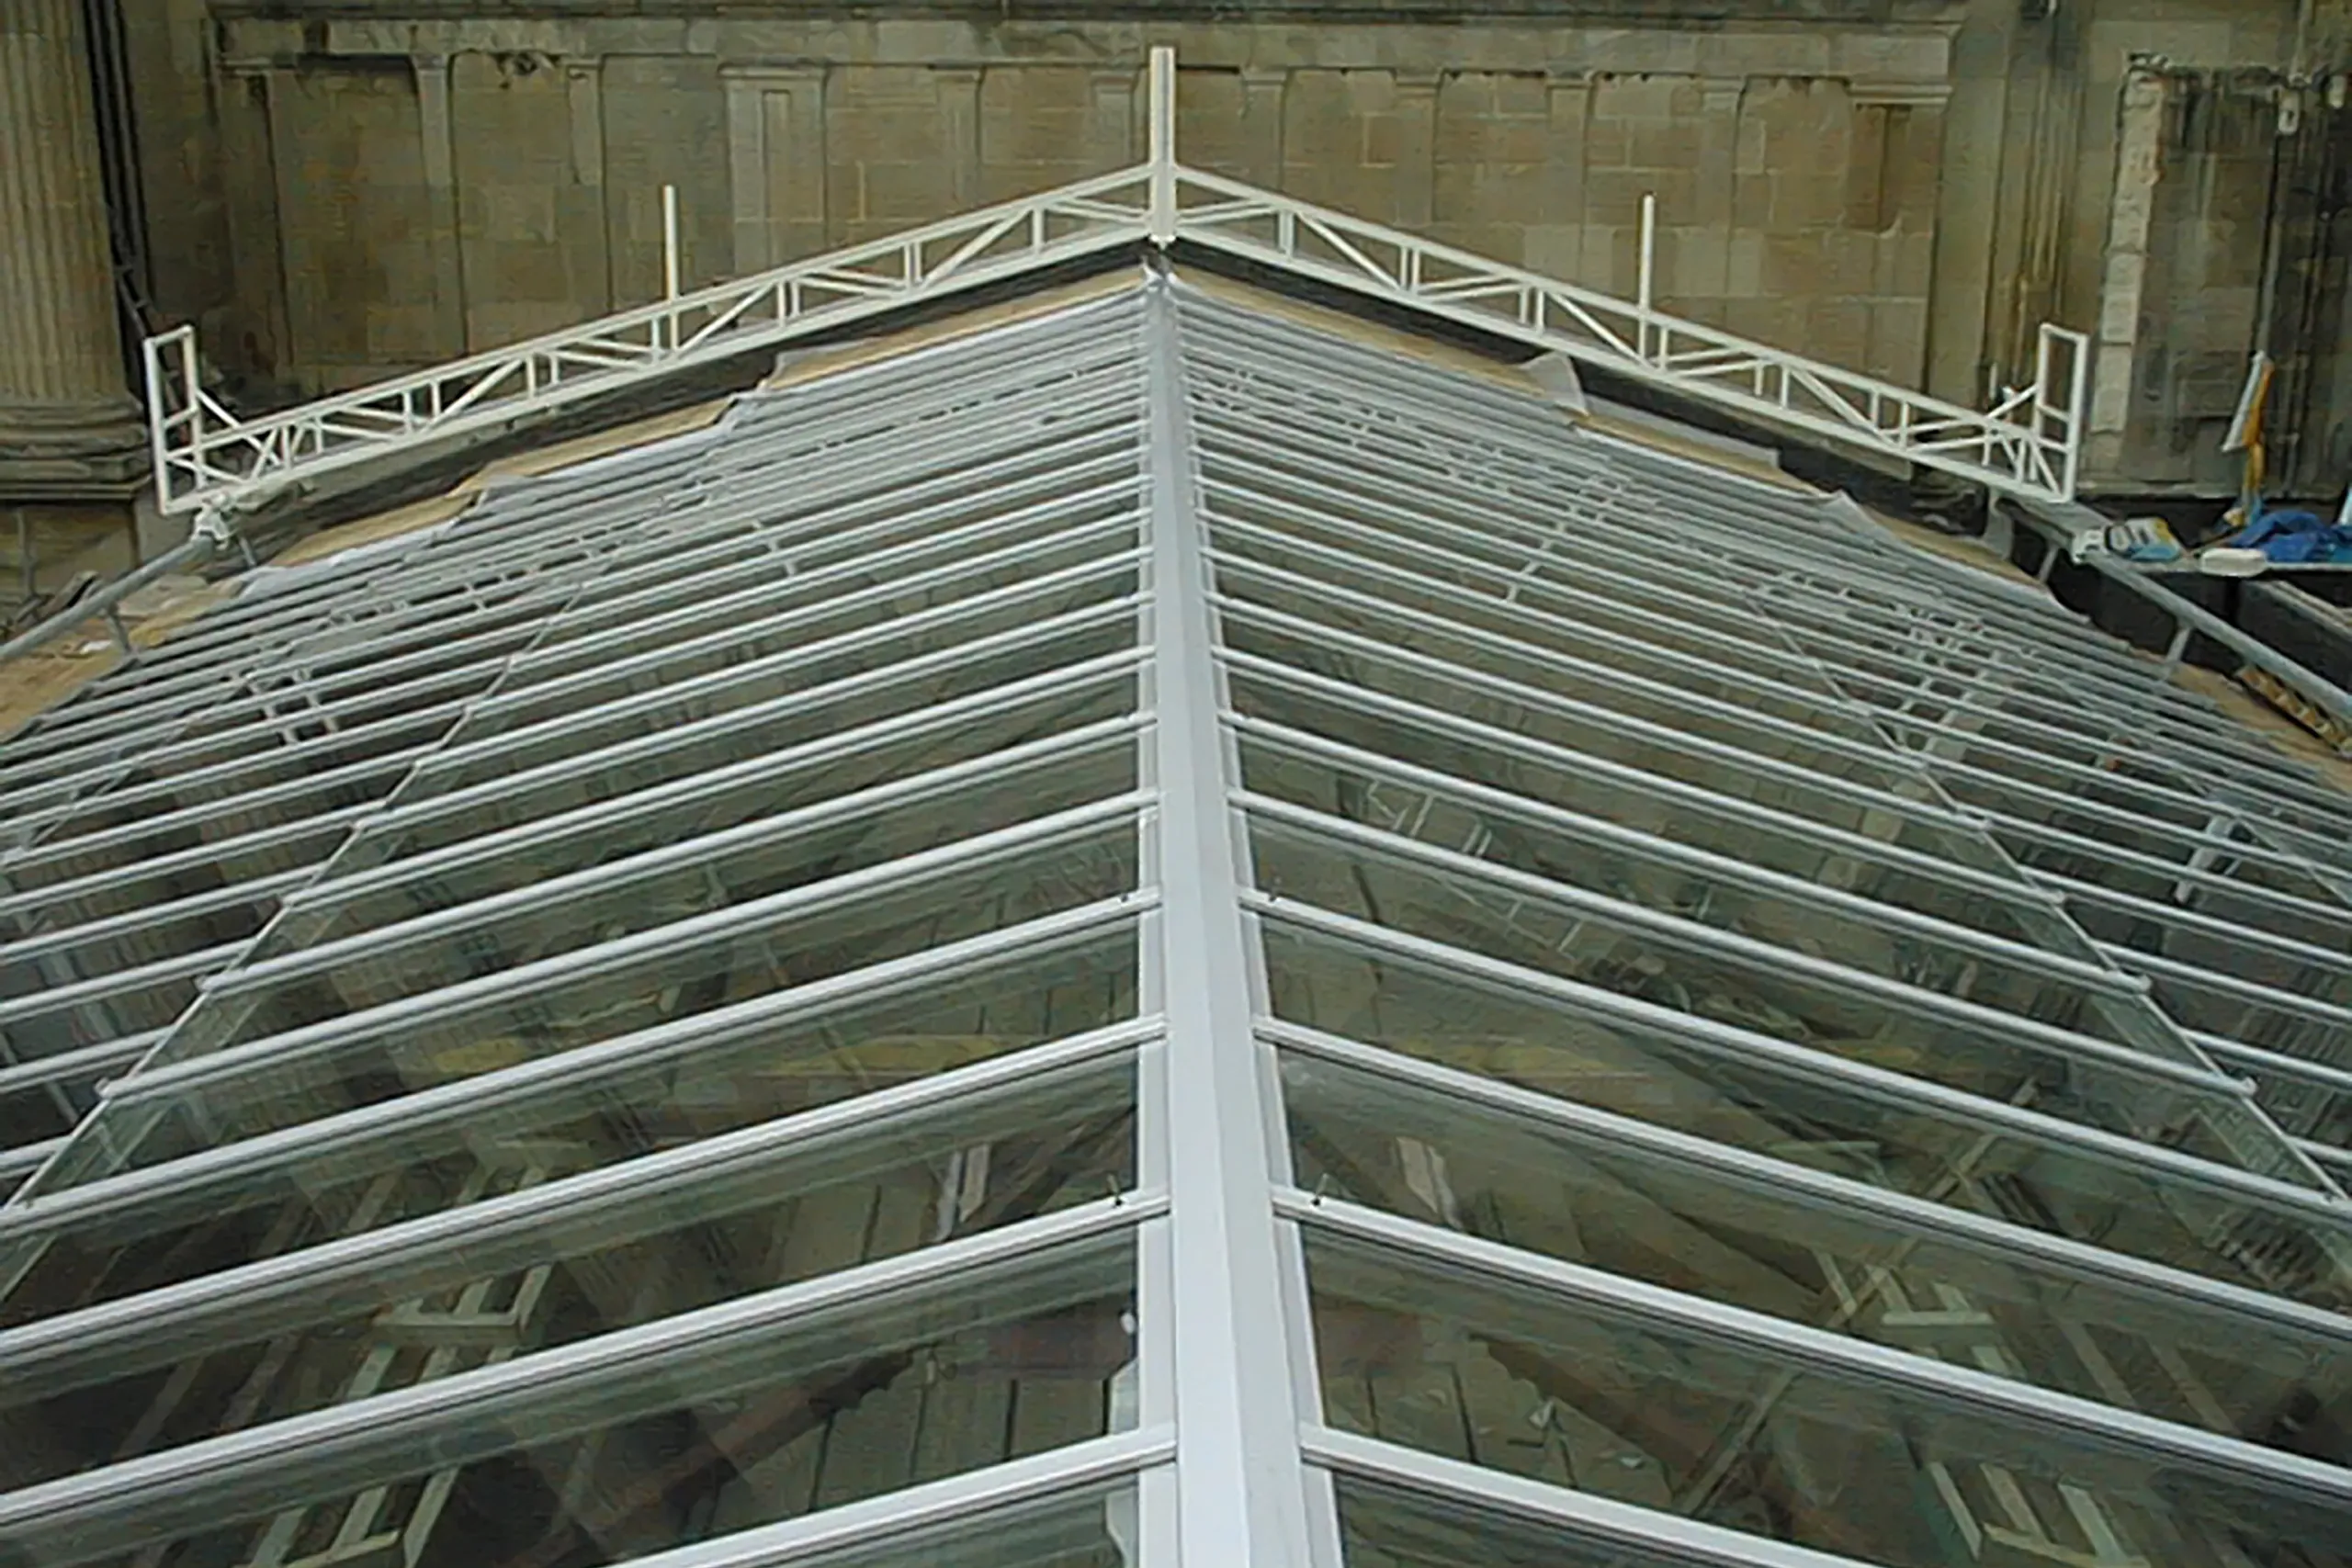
(150,354)
(670,257)
(1161,213)
(1646,298)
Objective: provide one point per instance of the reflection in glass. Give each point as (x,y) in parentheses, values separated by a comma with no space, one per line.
(750,1226)
(589,819)
(1554,1046)
(1678,970)
(1382,1527)
(621,896)
(763,1421)
(1714,814)
(1587,854)
(473,1147)
(1092,1527)
(1749,1242)
(1581,1394)
(394,1052)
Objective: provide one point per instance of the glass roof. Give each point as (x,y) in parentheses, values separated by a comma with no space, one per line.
(1165,931)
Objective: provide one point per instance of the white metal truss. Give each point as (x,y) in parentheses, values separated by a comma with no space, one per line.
(2027,444)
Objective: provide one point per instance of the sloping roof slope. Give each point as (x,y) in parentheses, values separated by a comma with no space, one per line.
(1158,933)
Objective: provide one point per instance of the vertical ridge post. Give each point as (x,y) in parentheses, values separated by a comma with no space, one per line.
(1646,298)
(1162,215)
(150,354)
(670,257)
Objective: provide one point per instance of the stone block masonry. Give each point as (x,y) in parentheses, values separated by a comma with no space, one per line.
(442,185)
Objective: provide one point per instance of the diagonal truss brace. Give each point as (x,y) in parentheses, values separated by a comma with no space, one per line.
(2028,445)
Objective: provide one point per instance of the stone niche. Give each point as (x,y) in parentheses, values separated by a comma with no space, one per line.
(416,180)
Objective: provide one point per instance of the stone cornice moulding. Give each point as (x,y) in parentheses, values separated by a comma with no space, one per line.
(1548,44)
(1648,14)
(1866,93)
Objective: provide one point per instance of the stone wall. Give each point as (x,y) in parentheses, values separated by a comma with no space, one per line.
(391,190)
(1904,186)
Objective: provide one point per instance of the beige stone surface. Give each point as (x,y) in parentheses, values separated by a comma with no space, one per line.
(1534,143)
(1909,197)
(31,684)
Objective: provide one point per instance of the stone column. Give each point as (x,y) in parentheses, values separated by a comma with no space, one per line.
(747,167)
(68,427)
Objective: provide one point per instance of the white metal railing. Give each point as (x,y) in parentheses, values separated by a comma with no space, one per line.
(2029,444)
(206,456)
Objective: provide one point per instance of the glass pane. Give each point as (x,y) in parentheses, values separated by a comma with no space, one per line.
(550,774)
(1382,1527)
(1095,1528)
(763,1422)
(535,1017)
(1581,1394)
(470,1146)
(34,1113)
(1553,1047)
(1748,1242)
(709,1233)
(1588,854)
(1432,571)
(620,896)
(1445,744)
(647,808)
(590,718)
(723,599)
(1671,970)
(1610,680)
(205,863)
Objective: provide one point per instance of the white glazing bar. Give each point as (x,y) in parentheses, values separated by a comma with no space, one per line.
(1989,1236)
(403,812)
(217,1175)
(1666,850)
(447,923)
(2204,1454)
(82,1062)
(1620,1532)
(129,923)
(942,1517)
(2327,1213)
(2052,1043)
(363,874)
(599,1207)
(1242,1497)
(213,852)
(216,794)
(160,1496)
(674,940)
(1546,753)
(1545,700)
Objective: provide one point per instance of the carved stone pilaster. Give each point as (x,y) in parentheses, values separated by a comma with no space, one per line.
(68,427)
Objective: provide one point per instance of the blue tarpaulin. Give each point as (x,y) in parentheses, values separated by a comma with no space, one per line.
(2296,536)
